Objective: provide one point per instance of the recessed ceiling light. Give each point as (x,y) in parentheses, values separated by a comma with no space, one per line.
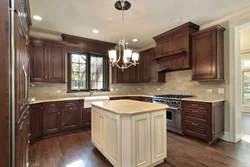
(135,40)
(95,31)
(176,20)
(37,18)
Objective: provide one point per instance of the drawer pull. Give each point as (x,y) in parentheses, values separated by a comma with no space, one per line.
(194,111)
(195,105)
(70,103)
(195,124)
(52,105)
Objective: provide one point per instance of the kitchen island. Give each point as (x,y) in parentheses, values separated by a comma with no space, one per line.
(130,133)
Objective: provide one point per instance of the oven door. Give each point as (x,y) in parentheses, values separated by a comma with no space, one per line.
(174,117)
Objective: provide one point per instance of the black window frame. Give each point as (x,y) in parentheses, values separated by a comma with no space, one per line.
(106,79)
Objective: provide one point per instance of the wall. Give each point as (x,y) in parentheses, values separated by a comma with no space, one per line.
(176,83)
(245,38)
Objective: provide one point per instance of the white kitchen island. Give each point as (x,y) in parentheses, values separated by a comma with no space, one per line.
(130,133)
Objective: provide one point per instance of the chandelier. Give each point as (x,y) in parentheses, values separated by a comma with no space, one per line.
(129,57)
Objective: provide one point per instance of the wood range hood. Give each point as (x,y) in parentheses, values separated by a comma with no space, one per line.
(173,48)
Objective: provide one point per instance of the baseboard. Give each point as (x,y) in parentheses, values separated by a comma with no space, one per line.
(226,137)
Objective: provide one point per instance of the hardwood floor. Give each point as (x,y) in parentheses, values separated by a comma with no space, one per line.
(76,150)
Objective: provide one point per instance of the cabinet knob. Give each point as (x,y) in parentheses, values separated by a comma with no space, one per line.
(45,77)
(49,76)
(58,113)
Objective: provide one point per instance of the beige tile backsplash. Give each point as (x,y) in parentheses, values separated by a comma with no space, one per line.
(176,83)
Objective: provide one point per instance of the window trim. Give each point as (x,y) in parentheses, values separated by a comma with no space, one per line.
(106,77)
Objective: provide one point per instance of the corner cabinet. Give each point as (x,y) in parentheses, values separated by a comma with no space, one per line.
(47,62)
(208,54)
(130,140)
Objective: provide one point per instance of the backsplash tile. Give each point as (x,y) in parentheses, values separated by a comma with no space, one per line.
(178,82)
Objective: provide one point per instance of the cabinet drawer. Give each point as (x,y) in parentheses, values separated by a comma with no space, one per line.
(70,103)
(200,116)
(196,129)
(52,105)
(196,105)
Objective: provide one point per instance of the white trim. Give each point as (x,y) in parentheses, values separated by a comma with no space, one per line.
(226,137)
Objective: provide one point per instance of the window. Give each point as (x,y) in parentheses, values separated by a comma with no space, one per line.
(87,71)
(245,65)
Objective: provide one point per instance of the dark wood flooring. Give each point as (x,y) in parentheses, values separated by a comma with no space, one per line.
(76,149)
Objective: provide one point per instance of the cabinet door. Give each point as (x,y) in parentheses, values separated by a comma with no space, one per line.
(204,56)
(86,117)
(70,118)
(111,137)
(56,63)
(22,143)
(96,127)
(158,136)
(38,63)
(36,121)
(141,140)
(51,121)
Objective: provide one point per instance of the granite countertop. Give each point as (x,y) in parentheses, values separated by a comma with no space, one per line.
(82,98)
(129,107)
(204,99)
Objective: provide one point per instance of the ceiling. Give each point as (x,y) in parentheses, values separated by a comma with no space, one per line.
(145,19)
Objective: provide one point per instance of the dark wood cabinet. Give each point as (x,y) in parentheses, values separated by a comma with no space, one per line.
(56,63)
(22,140)
(38,62)
(70,118)
(86,117)
(203,120)
(208,56)
(173,48)
(51,121)
(47,62)
(36,121)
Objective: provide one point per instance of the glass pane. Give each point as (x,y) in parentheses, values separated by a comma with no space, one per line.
(78,73)
(246,77)
(246,63)
(96,75)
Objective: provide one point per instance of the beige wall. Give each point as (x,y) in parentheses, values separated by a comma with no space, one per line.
(245,38)
(176,83)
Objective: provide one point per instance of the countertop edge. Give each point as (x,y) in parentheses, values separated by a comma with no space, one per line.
(204,100)
(129,113)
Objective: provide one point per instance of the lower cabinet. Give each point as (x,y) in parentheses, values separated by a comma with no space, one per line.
(130,140)
(22,140)
(70,118)
(51,121)
(203,120)
(36,121)
(86,117)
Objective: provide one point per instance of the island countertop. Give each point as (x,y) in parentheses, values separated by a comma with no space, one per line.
(129,107)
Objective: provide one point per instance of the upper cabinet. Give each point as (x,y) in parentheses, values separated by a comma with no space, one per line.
(47,62)
(173,48)
(146,71)
(208,54)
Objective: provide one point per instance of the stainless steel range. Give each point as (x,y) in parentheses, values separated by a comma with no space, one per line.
(174,112)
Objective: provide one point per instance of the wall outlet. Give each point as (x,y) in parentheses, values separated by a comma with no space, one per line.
(111,90)
(209,90)
(138,88)
(221,90)
(158,89)
(116,90)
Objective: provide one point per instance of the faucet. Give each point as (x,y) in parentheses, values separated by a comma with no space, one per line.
(92,92)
